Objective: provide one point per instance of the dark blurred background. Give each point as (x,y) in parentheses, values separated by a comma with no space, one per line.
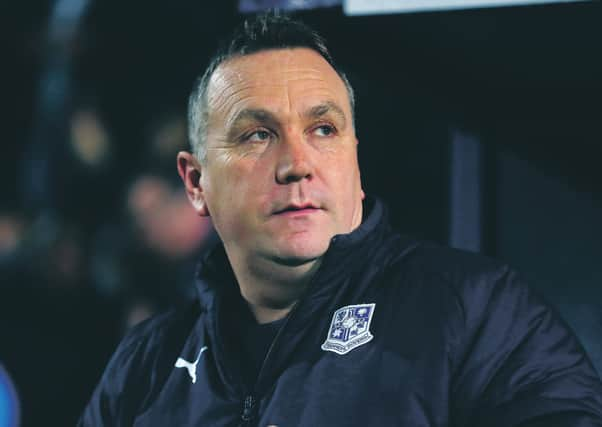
(480,128)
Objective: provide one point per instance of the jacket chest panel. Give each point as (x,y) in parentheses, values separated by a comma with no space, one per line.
(365,387)
(368,386)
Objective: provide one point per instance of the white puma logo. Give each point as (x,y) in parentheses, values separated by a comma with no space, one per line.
(191,367)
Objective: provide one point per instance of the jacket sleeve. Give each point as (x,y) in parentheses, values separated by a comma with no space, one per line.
(118,394)
(521,365)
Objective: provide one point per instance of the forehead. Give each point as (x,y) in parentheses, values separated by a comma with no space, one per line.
(278,79)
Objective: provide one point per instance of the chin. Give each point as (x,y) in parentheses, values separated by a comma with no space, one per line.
(301,253)
(293,261)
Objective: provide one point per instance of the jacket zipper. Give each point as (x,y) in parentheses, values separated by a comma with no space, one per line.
(249,402)
(248,411)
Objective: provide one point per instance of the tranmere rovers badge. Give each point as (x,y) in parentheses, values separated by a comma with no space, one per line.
(350,328)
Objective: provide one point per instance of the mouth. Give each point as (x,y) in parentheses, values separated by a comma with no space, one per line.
(293,209)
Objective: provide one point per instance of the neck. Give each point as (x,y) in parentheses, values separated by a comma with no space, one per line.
(271,289)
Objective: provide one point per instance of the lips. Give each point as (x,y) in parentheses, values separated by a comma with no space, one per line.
(300,208)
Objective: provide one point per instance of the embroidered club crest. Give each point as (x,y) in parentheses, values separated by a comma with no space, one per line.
(350,328)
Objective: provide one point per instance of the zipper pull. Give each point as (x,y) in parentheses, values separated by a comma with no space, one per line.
(248,412)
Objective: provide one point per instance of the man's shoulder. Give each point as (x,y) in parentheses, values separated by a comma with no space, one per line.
(438,263)
(467,279)
(160,335)
(156,329)
(140,364)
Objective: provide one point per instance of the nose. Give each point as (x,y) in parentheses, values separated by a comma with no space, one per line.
(294,163)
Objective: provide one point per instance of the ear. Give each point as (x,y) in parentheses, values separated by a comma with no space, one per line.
(189,169)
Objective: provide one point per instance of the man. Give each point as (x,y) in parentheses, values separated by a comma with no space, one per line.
(311,311)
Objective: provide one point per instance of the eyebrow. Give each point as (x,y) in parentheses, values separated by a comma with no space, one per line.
(257,115)
(252,114)
(325,108)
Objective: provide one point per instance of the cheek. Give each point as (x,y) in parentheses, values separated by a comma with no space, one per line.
(345,171)
(232,198)
(345,184)
(220,193)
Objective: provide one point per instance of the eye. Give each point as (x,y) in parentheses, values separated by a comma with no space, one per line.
(261,135)
(325,130)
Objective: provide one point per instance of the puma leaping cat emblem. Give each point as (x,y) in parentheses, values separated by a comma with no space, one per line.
(190,366)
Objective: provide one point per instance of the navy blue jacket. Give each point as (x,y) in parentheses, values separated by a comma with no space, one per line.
(453,339)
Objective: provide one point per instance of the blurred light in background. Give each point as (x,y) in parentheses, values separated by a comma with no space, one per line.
(249,6)
(66,16)
(164,218)
(370,7)
(89,139)
(54,94)
(9,402)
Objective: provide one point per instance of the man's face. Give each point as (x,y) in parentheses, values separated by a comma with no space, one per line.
(281,175)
